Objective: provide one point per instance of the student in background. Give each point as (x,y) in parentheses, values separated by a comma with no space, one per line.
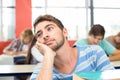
(20,45)
(114,40)
(96,37)
(60,60)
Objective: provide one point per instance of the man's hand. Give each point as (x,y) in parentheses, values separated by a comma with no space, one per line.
(44,49)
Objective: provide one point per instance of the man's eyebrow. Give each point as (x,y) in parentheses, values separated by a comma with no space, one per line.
(48,25)
(45,27)
(38,31)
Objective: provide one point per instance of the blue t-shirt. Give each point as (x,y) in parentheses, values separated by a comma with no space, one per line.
(104,44)
(90,58)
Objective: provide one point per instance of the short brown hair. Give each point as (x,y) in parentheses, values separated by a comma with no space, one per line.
(97,30)
(27,33)
(48,18)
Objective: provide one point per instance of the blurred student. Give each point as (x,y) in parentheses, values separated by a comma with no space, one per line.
(96,37)
(20,45)
(114,40)
(60,60)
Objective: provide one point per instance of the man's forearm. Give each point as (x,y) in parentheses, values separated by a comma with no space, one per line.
(47,68)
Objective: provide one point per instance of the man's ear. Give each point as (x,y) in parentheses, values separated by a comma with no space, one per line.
(65,32)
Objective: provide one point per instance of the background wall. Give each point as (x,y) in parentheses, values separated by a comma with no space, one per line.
(23,15)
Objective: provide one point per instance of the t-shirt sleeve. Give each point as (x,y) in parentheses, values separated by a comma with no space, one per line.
(107,47)
(82,42)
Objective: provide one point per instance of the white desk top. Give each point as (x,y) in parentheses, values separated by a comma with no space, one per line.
(16,69)
(116,63)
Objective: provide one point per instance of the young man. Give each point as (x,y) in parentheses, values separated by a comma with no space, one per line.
(20,45)
(96,37)
(60,61)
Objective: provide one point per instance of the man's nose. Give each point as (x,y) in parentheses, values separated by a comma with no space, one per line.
(45,35)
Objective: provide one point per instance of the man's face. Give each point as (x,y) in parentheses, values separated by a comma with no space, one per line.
(50,34)
(95,39)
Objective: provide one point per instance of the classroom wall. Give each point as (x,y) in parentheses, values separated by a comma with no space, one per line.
(23,15)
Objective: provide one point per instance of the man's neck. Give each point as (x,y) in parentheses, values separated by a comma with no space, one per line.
(67,59)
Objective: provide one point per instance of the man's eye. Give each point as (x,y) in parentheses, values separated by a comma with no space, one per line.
(50,28)
(38,35)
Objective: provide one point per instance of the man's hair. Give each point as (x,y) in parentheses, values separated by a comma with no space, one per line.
(48,18)
(97,30)
(27,33)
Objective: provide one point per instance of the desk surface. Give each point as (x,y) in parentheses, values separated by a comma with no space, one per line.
(116,63)
(14,70)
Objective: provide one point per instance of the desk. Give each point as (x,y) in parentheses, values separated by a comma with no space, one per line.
(116,64)
(9,59)
(98,75)
(16,70)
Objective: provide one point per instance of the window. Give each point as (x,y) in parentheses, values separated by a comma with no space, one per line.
(107,13)
(7,19)
(75,15)
(71,12)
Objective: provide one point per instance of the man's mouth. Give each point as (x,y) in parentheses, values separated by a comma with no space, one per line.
(49,42)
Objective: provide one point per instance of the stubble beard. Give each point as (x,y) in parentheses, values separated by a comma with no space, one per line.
(58,44)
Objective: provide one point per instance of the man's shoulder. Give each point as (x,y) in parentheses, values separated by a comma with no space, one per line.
(92,49)
(89,46)
(81,42)
(104,41)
